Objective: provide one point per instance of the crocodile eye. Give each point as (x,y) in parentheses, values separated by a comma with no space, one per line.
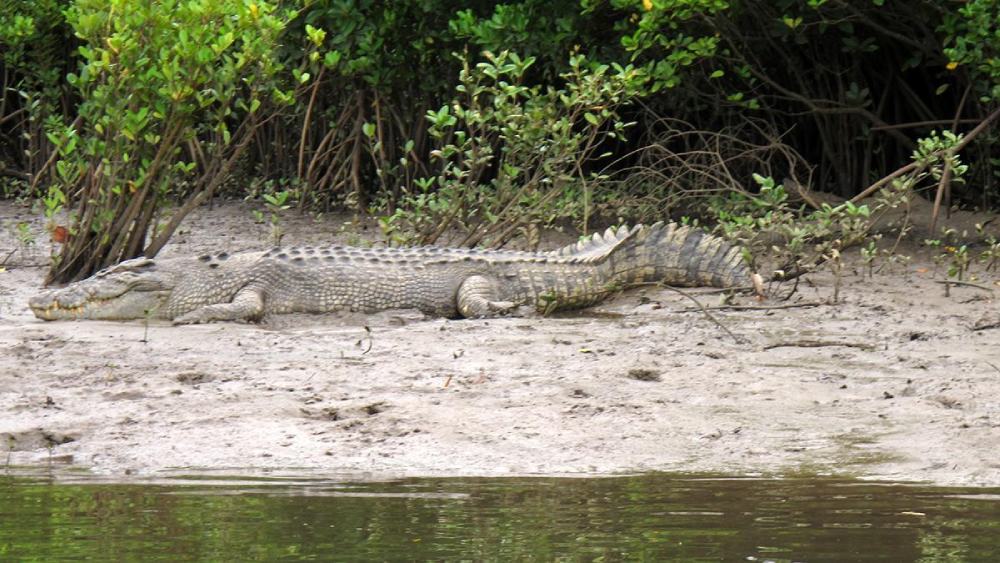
(134,265)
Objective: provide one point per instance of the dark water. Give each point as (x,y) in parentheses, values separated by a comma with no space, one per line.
(649,517)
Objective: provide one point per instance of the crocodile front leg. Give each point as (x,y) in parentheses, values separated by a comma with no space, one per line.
(247,304)
(477,297)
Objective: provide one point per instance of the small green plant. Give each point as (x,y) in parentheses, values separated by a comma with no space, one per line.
(15,189)
(893,259)
(939,257)
(146,316)
(351,233)
(277,203)
(933,151)
(869,253)
(278,196)
(958,265)
(53,203)
(25,241)
(797,240)
(833,258)
(25,238)
(991,255)
(952,254)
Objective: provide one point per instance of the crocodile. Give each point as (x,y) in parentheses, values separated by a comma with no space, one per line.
(448,282)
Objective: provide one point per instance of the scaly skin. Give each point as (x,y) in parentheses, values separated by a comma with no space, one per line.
(445,282)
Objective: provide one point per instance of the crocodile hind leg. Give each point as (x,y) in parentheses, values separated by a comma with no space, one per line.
(477,297)
(247,304)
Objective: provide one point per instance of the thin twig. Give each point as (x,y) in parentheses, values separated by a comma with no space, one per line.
(985,123)
(912,124)
(965,283)
(718,290)
(755,307)
(6,258)
(943,187)
(371,340)
(818,344)
(795,286)
(985,324)
(700,291)
(707,314)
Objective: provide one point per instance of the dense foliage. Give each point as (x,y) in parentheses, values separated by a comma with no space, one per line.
(483,118)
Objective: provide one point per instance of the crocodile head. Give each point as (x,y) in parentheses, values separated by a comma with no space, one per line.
(133,289)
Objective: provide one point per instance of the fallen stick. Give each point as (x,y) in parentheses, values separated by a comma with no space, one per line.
(818,344)
(704,310)
(985,323)
(716,291)
(754,307)
(964,283)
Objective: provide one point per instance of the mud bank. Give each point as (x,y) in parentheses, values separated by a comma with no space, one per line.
(892,383)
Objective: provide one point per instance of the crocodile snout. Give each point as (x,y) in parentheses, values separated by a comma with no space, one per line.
(57,303)
(41,301)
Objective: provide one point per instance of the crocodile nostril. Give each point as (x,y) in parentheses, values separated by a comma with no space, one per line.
(70,301)
(40,301)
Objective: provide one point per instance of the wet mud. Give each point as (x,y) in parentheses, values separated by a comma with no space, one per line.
(896,381)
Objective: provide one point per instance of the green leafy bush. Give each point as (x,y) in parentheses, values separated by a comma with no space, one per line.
(972,37)
(353,103)
(172,92)
(36,51)
(796,240)
(510,156)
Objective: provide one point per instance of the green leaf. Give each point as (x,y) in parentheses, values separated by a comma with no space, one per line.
(791,22)
(315,35)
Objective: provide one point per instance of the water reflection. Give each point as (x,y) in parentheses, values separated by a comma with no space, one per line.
(652,517)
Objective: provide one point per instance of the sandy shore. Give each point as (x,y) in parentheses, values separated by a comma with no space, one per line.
(892,383)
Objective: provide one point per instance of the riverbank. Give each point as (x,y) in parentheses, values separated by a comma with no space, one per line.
(894,382)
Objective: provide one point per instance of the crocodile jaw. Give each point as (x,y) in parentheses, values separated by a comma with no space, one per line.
(69,303)
(131,290)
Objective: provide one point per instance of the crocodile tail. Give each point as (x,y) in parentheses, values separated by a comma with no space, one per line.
(664,253)
(595,247)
